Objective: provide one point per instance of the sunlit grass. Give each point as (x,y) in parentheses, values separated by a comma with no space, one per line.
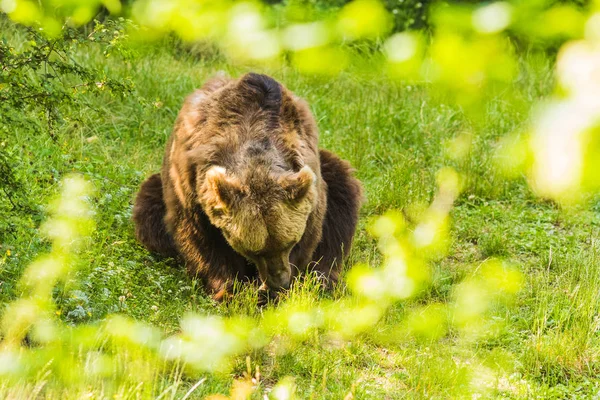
(395,135)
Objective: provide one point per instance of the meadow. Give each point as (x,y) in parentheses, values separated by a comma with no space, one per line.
(397,135)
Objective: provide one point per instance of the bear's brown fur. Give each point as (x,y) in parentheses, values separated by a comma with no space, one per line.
(244,190)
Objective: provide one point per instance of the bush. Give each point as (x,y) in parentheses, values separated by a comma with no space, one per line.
(39,79)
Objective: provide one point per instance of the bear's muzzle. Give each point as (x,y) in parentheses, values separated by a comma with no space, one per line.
(275,271)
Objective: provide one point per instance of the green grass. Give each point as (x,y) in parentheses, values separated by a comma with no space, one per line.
(395,135)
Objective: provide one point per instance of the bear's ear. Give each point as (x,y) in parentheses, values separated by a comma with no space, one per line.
(222,189)
(297,185)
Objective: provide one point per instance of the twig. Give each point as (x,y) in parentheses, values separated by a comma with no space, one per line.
(9,198)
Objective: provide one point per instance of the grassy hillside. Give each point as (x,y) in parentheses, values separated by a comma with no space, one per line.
(397,136)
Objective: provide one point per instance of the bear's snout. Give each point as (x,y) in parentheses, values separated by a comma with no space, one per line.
(275,271)
(279,281)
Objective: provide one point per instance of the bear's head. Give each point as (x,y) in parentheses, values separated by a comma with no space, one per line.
(262,214)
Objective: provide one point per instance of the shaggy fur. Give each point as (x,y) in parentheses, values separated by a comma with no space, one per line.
(149,214)
(245,190)
(344,196)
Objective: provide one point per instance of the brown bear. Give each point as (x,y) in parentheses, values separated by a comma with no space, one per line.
(244,191)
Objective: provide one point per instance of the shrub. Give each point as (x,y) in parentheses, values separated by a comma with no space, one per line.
(39,78)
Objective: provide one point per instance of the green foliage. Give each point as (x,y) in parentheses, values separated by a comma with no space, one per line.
(407,14)
(41,76)
(41,81)
(428,309)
